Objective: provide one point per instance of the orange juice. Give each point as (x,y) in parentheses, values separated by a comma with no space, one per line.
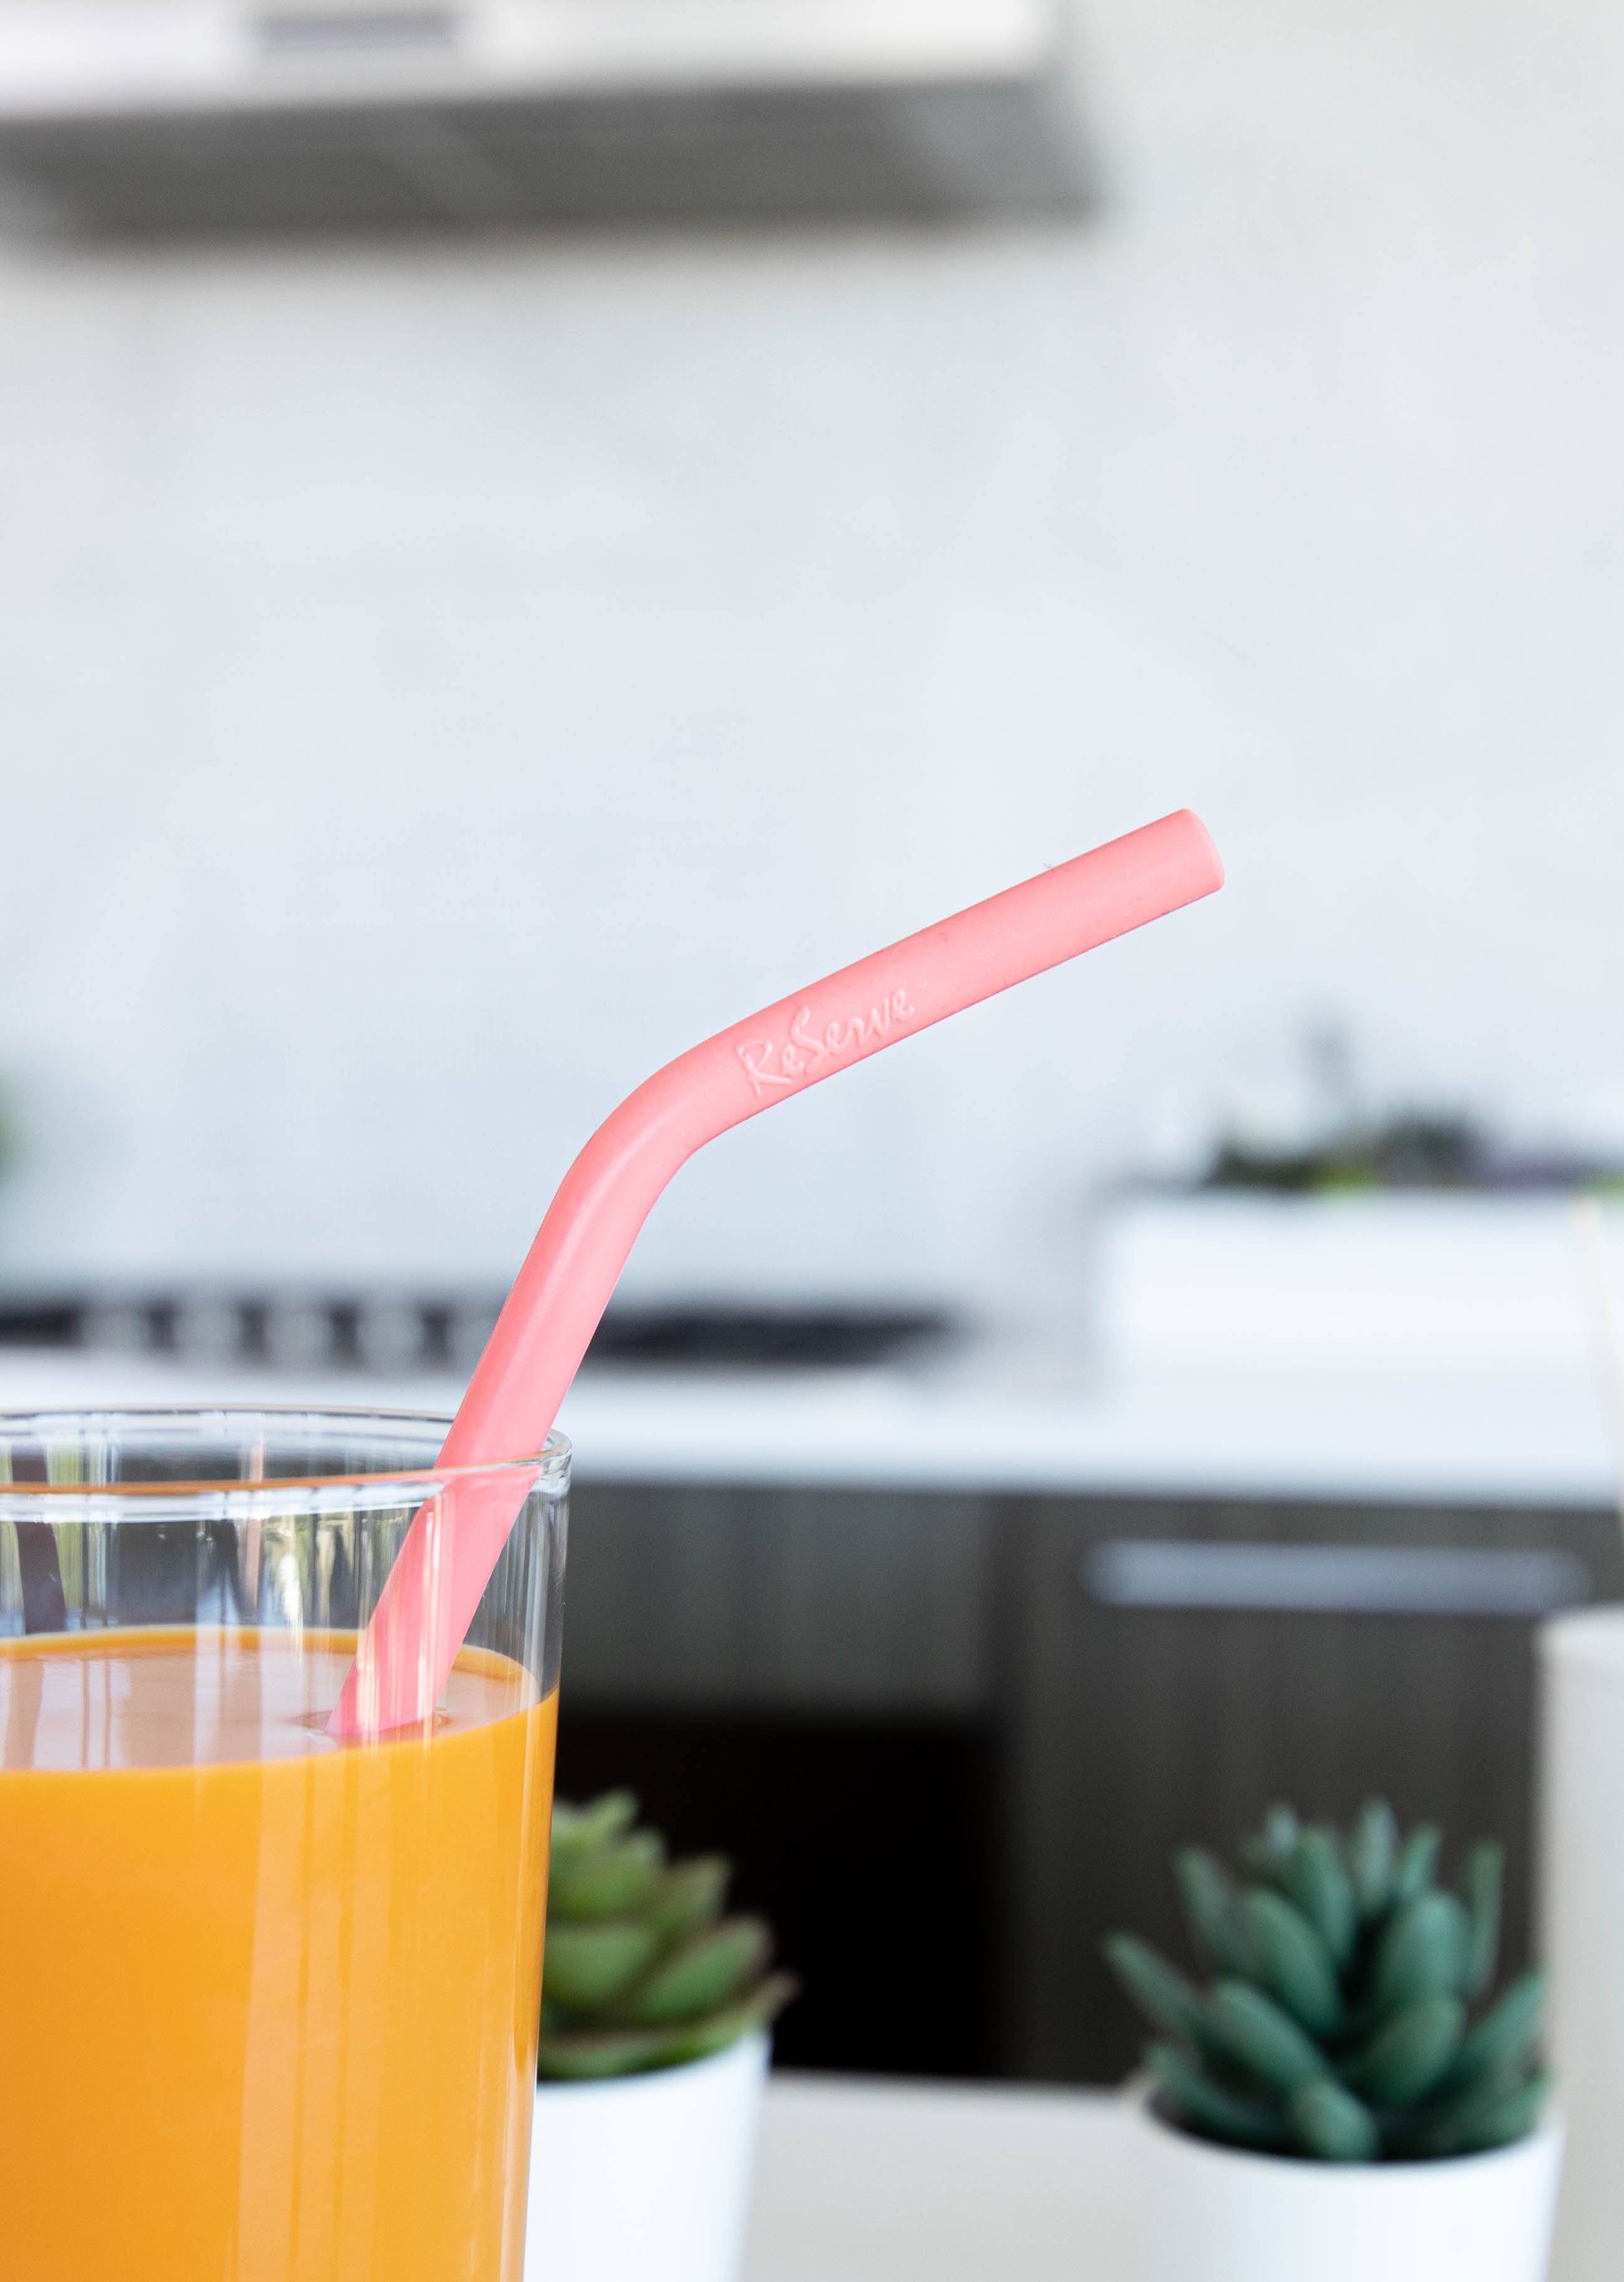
(269,2003)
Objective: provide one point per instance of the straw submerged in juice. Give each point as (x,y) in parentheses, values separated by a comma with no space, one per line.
(279,1995)
(169,1697)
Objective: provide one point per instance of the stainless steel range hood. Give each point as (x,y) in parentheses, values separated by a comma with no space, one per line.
(163,114)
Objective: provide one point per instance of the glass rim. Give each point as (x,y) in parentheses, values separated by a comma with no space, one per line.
(549,1467)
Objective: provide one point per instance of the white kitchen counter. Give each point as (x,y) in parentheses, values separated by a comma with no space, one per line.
(860,2181)
(1499,1438)
(1504,1439)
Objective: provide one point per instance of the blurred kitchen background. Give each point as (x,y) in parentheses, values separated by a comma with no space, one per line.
(528,528)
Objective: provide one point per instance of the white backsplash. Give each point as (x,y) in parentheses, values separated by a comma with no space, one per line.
(441,682)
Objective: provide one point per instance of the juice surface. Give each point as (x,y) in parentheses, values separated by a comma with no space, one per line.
(271,2002)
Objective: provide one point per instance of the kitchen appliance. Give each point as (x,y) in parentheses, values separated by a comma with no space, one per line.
(162,114)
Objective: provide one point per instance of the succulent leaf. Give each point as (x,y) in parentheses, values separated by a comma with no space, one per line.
(1208,2106)
(1215,1925)
(585,2054)
(1267,1853)
(615,1879)
(582,2054)
(1511,2117)
(1296,1966)
(1157,1988)
(1422,1954)
(1403,2061)
(709,1971)
(717,2030)
(1484,2118)
(579,1827)
(1316,1880)
(1372,1850)
(1280,1828)
(1255,2034)
(1485,1867)
(688,1896)
(586,1967)
(1328,2121)
(1417,1863)
(1503,2043)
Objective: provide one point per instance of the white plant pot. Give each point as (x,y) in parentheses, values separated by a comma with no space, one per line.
(1581,1927)
(646,2178)
(1209,2214)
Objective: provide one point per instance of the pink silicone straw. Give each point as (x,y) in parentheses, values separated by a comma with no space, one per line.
(455,1539)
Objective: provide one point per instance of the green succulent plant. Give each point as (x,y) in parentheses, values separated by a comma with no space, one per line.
(1345,2019)
(642,1969)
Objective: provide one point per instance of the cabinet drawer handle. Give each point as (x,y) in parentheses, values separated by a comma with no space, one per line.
(1166,1572)
(341,31)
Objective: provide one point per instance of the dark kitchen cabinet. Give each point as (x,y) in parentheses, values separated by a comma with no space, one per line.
(851,1600)
(801,1678)
(1172,1667)
(993,1719)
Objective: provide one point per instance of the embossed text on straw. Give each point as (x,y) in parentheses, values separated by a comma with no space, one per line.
(773,1063)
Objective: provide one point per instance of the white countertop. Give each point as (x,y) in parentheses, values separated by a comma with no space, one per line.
(860,2181)
(1378,1350)
(1494,1438)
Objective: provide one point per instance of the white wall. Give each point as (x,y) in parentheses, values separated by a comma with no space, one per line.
(439,684)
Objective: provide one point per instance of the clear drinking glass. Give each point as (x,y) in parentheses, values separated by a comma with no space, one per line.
(270,2001)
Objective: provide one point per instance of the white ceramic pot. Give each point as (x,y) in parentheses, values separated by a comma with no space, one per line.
(1581,1927)
(1209,2214)
(646,2178)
